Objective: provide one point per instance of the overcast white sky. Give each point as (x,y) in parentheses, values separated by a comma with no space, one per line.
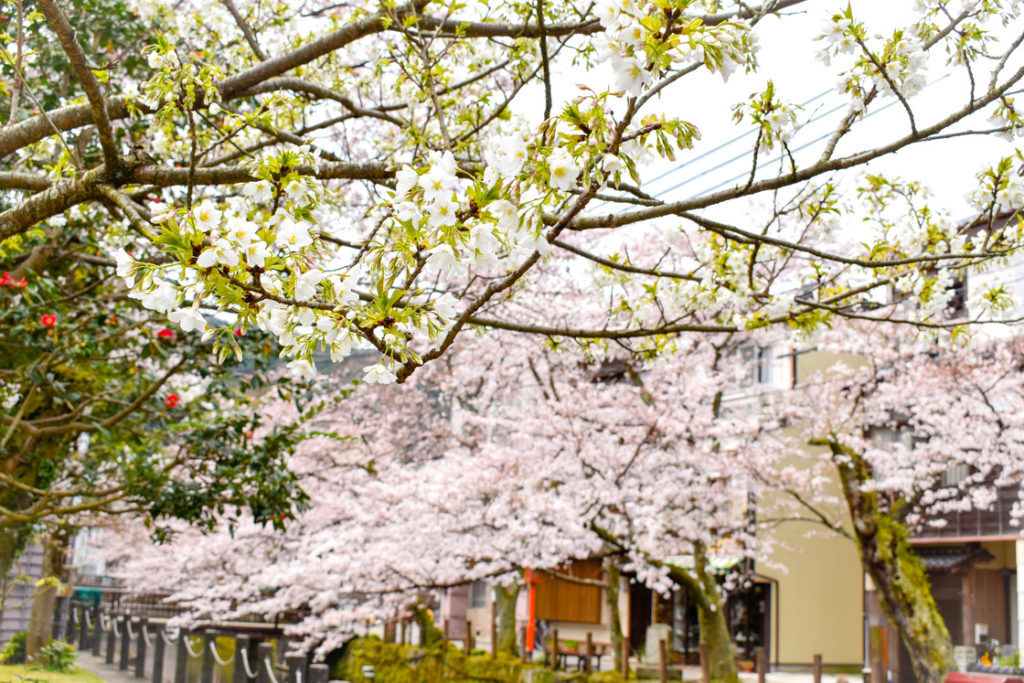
(787,57)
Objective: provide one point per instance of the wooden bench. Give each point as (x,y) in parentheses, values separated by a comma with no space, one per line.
(578,650)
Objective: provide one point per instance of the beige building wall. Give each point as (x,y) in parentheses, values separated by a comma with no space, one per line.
(818,602)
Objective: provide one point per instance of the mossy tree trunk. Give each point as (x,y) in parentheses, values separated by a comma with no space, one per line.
(44,599)
(612,576)
(430,634)
(900,578)
(702,587)
(703,590)
(506,606)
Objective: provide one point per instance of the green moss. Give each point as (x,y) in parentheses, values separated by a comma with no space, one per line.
(911,591)
(410,664)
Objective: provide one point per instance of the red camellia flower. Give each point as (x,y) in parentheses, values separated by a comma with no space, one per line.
(171,401)
(8,281)
(165,334)
(48,320)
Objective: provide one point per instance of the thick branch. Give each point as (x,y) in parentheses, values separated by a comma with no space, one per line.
(54,200)
(165,176)
(13,180)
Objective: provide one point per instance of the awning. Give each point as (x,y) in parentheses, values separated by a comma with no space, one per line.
(952,559)
(720,564)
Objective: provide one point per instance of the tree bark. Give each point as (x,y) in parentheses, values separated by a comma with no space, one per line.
(711,616)
(506,606)
(611,596)
(45,597)
(714,631)
(900,578)
(430,635)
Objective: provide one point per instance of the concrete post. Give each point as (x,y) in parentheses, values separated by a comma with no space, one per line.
(206,668)
(158,656)
(140,648)
(296,663)
(97,632)
(111,636)
(181,658)
(83,629)
(126,643)
(264,658)
(243,656)
(70,621)
(319,673)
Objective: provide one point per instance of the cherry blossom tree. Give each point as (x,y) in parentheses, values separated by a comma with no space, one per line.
(530,460)
(343,176)
(895,423)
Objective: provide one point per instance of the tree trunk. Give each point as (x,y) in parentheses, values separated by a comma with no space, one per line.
(711,616)
(45,597)
(430,635)
(900,578)
(904,592)
(506,606)
(611,596)
(715,634)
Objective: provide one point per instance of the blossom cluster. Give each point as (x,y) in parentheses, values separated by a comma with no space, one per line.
(644,40)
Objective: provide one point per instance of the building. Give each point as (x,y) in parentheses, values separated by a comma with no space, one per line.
(17,590)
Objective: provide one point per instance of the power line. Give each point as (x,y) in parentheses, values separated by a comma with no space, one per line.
(795,150)
(729,142)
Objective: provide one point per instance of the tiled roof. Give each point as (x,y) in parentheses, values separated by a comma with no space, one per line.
(949,559)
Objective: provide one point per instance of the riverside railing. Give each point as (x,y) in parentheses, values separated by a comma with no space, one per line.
(151,651)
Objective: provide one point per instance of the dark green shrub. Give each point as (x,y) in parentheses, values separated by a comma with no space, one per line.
(14,650)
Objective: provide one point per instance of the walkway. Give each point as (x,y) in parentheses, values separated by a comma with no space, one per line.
(108,672)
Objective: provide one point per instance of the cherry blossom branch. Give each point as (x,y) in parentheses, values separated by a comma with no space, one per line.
(624,267)
(97,102)
(892,85)
(748,237)
(250,37)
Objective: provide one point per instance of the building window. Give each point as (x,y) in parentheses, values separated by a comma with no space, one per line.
(955,475)
(757,365)
(478,595)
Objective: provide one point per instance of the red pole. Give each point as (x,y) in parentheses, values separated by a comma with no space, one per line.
(531,633)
